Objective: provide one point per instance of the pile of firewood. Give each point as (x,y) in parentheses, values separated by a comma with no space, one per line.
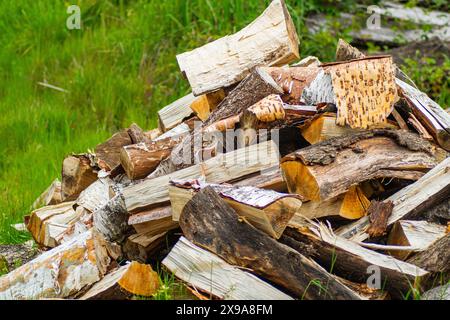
(273,179)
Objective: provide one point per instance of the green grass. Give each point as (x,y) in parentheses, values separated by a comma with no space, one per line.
(118,69)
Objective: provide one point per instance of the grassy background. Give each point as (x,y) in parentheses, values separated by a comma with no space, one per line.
(119,68)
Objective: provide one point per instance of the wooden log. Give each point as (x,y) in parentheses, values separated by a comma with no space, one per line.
(44,221)
(436,258)
(139,160)
(267,210)
(209,273)
(96,195)
(416,234)
(345,51)
(108,152)
(426,192)
(60,272)
(51,195)
(350,260)
(153,222)
(270,179)
(439,213)
(153,134)
(204,104)
(77,175)
(142,246)
(330,168)
(430,114)
(269,40)
(269,109)
(219,169)
(173,114)
(211,223)
(180,130)
(379,212)
(133,279)
(137,135)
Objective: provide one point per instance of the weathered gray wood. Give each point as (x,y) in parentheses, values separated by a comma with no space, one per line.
(112,219)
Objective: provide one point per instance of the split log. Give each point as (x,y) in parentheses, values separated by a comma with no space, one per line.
(439,213)
(345,52)
(176,132)
(153,222)
(139,160)
(141,247)
(52,195)
(203,105)
(416,234)
(327,169)
(219,169)
(173,114)
(267,210)
(61,272)
(419,127)
(319,90)
(435,259)
(229,59)
(96,195)
(47,223)
(425,193)
(379,212)
(108,152)
(211,223)
(350,260)
(431,115)
(209,273)
(270,179)
(153,134)
(269,109)
(133,279)
(111,220)
(77,175)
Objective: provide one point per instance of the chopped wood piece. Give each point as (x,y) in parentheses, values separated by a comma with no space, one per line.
(350,260)
(153,134)
(417,234)
(136,134)
(108,152)
(439,213)
(139,160)
(269,109)
(323,128)
(269,40)
(203,105)
(425,193)
(379,212)
(173,114)
(133,279)
(345,52)
(60,272)
(211,223)
(209,273)
(256,86)
(436,258)
(153,222)
(327,169)
(96,195)
(319,90)
(431,115)
(219,169)
(270,179)
(176,132)
(266,210)
(419,127)
(223,125)
(112,219)
(77,175)
(52,195)
(140,247)
(47,223)
(373,91)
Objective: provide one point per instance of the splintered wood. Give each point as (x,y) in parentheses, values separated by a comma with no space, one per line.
(364,90)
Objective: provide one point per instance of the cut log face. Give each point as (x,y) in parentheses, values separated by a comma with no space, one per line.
(269,109)
(133,279)
(266,210)
(269,40)
(108,152)
(52,195)
(417,234)
(431,115)
(77,175)
(60,272)
(428,191)
(137,135)
(139,160)
(330,168)
(141,247)
(173,114)
(153,222)
(203,105)
(211,223)
(209,273)
(351,260)
(219,169)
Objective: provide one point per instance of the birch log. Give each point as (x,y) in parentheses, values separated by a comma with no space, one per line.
(60,272)
(111,219)
(426,192)
(269,40)
(209,273)
(173,114)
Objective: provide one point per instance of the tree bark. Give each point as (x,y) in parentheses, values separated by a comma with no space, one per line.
(379,212)
(77,175)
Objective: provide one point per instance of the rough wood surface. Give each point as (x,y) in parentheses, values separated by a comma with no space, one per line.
(142,247)
(108,152)
(327,169)
(269,40)
(133,279)
(136,134)
(60,272)
(345,51)
(111,220)
(77,175)
(96,195)
(173,114)
(219,169)
(438,293)
(209,273)
(269,109)
(211,223)
(379,212)
(206,103)
(425,193)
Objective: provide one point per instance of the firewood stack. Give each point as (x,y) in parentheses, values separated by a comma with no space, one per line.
(273,179)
